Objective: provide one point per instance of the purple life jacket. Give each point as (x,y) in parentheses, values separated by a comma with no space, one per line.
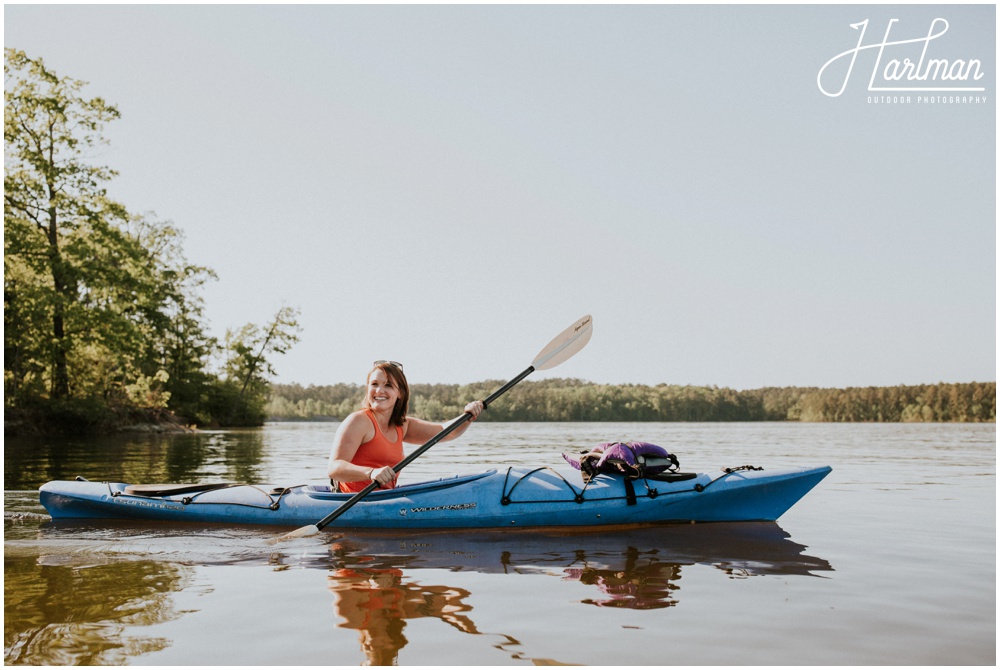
(631,459)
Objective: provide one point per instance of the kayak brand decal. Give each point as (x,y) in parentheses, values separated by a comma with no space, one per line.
(148,504)
(439,508)
(908,70)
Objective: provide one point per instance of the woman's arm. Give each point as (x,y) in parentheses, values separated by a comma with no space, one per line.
(351,434)
(420,431)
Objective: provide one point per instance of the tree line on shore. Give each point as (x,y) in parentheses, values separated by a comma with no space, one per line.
(104,324)
(576,400)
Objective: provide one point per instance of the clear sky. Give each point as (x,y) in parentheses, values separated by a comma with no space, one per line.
(451,186)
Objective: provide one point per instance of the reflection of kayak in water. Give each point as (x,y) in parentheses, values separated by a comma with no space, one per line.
(514,497)
(760,548)
(636,568)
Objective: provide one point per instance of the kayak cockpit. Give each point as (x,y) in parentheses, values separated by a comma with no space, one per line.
(327,492)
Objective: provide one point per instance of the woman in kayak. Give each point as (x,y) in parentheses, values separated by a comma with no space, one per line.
(370,441)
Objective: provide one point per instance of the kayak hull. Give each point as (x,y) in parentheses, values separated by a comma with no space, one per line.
(510,498)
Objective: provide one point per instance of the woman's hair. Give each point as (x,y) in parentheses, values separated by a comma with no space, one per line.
(395,375)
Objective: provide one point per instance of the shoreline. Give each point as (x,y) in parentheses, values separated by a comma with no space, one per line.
(44,422)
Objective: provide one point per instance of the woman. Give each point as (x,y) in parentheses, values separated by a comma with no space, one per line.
(370,441)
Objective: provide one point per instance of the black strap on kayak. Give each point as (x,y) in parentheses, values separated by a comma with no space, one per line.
(629,491)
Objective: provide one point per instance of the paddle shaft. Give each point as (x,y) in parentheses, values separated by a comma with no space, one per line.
(332,516)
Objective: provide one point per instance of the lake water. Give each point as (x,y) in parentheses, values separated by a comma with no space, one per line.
(890,560)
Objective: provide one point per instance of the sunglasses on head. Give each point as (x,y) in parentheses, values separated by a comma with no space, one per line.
(395,363)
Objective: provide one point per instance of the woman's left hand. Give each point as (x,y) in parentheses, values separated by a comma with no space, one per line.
(475,408)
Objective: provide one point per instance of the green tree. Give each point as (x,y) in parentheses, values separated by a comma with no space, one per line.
(176,337)
(248,368)
(103,319)
(59,224)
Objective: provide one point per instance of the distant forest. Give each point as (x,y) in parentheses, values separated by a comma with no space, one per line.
(575,400)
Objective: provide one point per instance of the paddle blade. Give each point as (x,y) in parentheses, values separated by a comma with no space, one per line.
(305,531)
(565,345)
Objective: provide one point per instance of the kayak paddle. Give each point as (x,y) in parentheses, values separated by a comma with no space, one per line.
(559,350)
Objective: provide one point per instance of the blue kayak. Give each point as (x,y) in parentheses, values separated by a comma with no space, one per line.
(509,498)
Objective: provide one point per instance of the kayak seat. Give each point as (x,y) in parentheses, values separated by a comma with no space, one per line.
(158,490)
(672,476)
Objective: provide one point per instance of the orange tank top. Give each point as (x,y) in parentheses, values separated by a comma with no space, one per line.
(377,452)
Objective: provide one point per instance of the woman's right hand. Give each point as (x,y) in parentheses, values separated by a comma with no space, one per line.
(383,475)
